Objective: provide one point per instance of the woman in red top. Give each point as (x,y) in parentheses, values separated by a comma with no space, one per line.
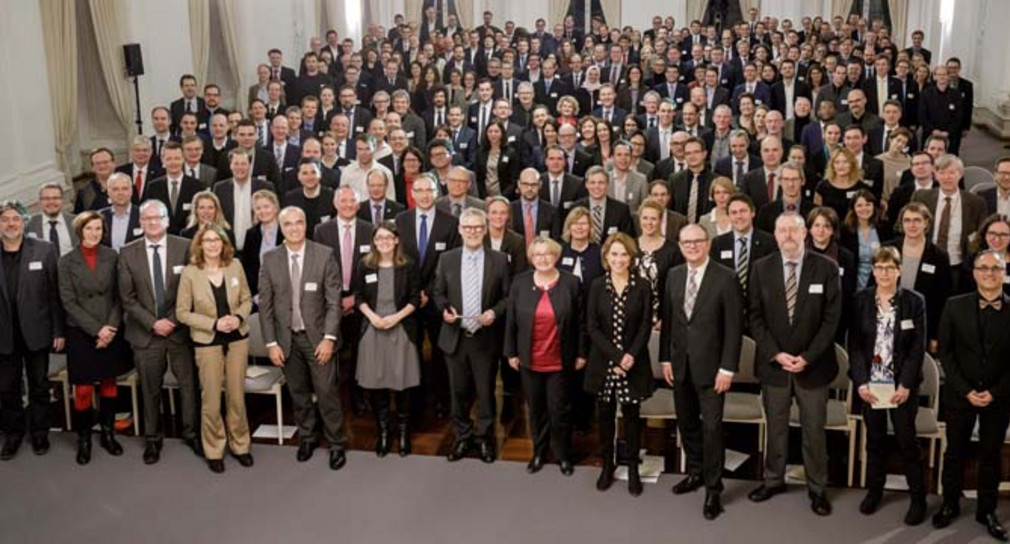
(412,163)
(545,336)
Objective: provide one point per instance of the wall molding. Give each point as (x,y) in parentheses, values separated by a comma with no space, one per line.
(24,185)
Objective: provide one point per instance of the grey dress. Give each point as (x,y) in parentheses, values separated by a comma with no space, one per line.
(387,359)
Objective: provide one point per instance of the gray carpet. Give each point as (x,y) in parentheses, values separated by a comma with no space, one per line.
(416,500)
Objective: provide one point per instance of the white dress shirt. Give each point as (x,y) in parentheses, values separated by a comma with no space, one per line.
(163,253)
(953,248)
(242,202)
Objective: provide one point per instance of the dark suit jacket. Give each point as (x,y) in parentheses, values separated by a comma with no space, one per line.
(158,190)
(514,247)
(328,234)
(973,213)
(762,244)
(264,166)
(568,316)
(39,309)
(725,165)
(815,322)
(559,88)
(508,172)
(762,94)
(934,281)
(580,163)
(406,290)
(251,256)
(901,195)
(390,210)
(680,93)
(448,293)
(443,235)
(178,107)
(870,88)
(616,218)
(635,338)
(133,230)
(680,189)
(465,146)
(90,298)
(548,220)
(225,191)
(971,361)
(136,290)
(572,189)
(765,220)
(154,171)
(909,344)
(778,94)
(755,185)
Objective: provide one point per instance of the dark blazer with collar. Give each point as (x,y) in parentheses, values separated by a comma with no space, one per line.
(406,290)
(448,293)
(725,165)
(778,94)
(251,256)
(514,247)
(568,315)
(909,344)
(762,94)
(154,171)
(755,185)
(711,338)
(465,146)
(548,219)
(90,298)
(158,190)
(581,161)
(390,209)
(39,308)
(616,218)
(815,322)
(901,195)
(933,281)
(264,166)
(970,361)
(38,226)
(136,290)
(559,88)
(762,244)
(508,171)
(225,191)
(133,230)
(178,108)
(765,220)
(680,190)
(328,234)
(988,196)
(292,154)
(443,235)
(573,188)
(973,213)
(635,339)
(870,88)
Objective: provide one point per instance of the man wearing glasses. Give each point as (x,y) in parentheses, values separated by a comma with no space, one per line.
(997,199)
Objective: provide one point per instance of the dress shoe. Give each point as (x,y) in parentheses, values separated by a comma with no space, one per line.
(634,480)
(458,451)
(382,442)
(606,478)
(713,506)
(10,449)
(916,511)
(216,465)
(152,452)
(244,459)
(40,445)
(993,525)
(871,502)
(84,449)
(535,464)
(946,515)
(337,459)
(819,504)
(687,485)
(764,493)
(405,448)
(567,468)
(196,445)
(107,439)
(487,453)
(305,450)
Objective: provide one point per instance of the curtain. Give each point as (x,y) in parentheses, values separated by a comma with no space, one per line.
(695,11)
(612,12)
(899,21)
(228,11)
(109,19)
(59,29)
(199,36)
(841,8)
(412,11)
(464,13)
(557,11)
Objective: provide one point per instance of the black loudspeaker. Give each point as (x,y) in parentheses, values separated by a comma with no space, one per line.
(134,60)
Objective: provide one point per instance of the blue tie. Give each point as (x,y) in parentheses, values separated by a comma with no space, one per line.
(422,239)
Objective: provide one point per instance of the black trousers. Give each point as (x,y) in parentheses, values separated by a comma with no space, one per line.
(472,370)
(992,426)
(699,421)
(434,377)
(305,378)
(34,364)
(550,411)
(608,429)
(903,420)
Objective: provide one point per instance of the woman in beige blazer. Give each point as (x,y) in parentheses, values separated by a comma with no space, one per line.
(214,302)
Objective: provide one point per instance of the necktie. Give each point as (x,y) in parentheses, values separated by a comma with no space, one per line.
(159,283)
(943,234)
(189,106)
(692,201)
(739,173)
(422,239)
(742,263)
(547,86)
(173,193)
(346,256)
(274,74)
(138,183)
(528,223)
(607,115)
(279,156)
(664,144)
(771,186)
(508,90)
(457,209)
(577,76)
(887,136)
(259,133)
(652,122)
(791,289)
(54,235)
(377,215)
(994,304)
(297,324)
(471,295)
(597,222)
(483,121)
(438,118)
(191,172)
(692,292)
(555,192)
(614,71)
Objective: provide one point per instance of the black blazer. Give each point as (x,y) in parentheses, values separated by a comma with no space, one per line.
(158,190)
(548,219)
(568,314)
(616,218)
(934,281)
(443,235)
(514,247)
(909,337)
(390,210)
(448,293)
(680,189)
(765,220)
(755,185)
(637,331)
(406,290)
(250,258)
(971,360)
(778,94)
(264,166)
(328,234)
(225,191)
(133,230)
(39,309)
(815,321)
(723,248)
(572,188)
(710,340)
(508,172)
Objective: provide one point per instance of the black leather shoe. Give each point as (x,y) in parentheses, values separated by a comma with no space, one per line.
(916,511)
(712,508)
(871,502)
(405,447)
(152,452)
(606,478)
(819,504)
(40,445)
(216,465)
(687,485)
(458,451)
(567,468)
(244,459)
(634,480)
(337,459)
(107,439)
(196,445)
(84,450)
(763,493)
(946,515)
(305,450)
(535,464)
(487,453)
(10,449)
(993,525)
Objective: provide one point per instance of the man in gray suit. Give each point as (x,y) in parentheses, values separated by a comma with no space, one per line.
(459,199)
(300,312)
(53,224)
(149,272)
(31,323)
(192,152)
(627,185)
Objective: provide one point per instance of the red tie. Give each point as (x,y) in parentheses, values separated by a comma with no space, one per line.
(771,186)
(528,224)
(138,184)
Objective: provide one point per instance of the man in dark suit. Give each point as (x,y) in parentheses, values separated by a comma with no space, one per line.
(943,202)
(791,179)
(284,154)
(425,234)
(975,351)
(578,161)
(122,217)
(762,184)
(557,187)
(52,224)
(671,87)
(141,169)
(854,138)
(458,62)
(278,71)
(608,216)
(464,138)
(550,88)
(740,161)
(609,111)
(751,85)
(922,180)
(174,189)
(235,195)
(857,114)
(942,110)
(471,287)
(377,208)
(263,164)
(743,246)
(31,324)
(188,103)
(546,219)
(690,186)
(794,312)
(917,37)
(149,272)
(877,140)
(699,349)
(967,91)
(997,199)
(882,87)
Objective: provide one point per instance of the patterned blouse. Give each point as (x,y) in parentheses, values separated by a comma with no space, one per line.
(882,367)
(616,387)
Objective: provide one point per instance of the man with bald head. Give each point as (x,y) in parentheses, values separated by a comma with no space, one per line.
(285,154)
(858,114)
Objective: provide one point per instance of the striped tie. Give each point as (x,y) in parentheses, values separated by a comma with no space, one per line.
(597,222)
(692,201)
(471,295)
(692,292)
(743,264)
(791,288)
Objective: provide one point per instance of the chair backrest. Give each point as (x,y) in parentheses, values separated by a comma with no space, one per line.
(257,347)
(657,369)
(841,381)
(930,381)
(973,175)
(745,370)
(984,186)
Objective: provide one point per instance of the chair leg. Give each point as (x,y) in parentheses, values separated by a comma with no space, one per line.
(66,402)
(171,401)
(280,415)
(136,408)
(853,429)
(939,474)
(862,457)
(932,452)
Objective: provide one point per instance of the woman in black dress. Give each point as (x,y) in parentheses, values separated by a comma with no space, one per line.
(842,181)
(656,253)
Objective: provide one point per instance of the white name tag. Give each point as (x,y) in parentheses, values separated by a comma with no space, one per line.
(553,95)
(545,233)
(567,261)
(850,194)
(512,139)
(845,102)
(758,102)
(410,134)
(464,145)
(35,265)
(371,278)
(473,119)
(928,268)
(186,206)
(439,246)
(726,254)
(841,272)
(611,230)
(631,196)
(816,288)
(894,96)
(177,269)
(568,205)
(504,160)
(324,219)
(311,287)
(907,325)
(359,129)
(681,99)
(509,257)
(364,248)
(911,95)
(138,231)
(32,235)
(234,282)
(952,107)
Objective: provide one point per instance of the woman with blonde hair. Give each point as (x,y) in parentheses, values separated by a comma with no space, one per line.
(716,222)
(841,182)
(206,210)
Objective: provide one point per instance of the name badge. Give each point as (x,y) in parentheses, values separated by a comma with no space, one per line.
(35,265)
(512,139)
(553,95)
(816,289)
(928,268)
(505,160)
(464,145)
(410,134)
(187,206)
(365,248)
(439,246)
(473,119)
(177,269)
(845,102)
(611,230)
(681,99)
(371,278)
(907,325)
(850,194)
(234,282)
(726,254)
(568,205)
(1006,280)
(311,287)
(757,101)
(202,126)
(138,231)
(509,257)
(324,219)
(952,107)
(359,128)
(631,196)
(31,235)
(841,272)
(911,95)
(545,233)
(894,96)
(567,261)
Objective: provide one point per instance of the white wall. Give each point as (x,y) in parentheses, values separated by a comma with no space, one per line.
(639,14)
(166,48)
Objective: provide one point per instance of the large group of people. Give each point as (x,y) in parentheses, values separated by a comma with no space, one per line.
(538,204)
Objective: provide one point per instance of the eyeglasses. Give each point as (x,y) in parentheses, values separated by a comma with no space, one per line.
(211,241)
(885,269)
(989,269)
(998,235)
(385,238)
(692,243)
(472,228)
